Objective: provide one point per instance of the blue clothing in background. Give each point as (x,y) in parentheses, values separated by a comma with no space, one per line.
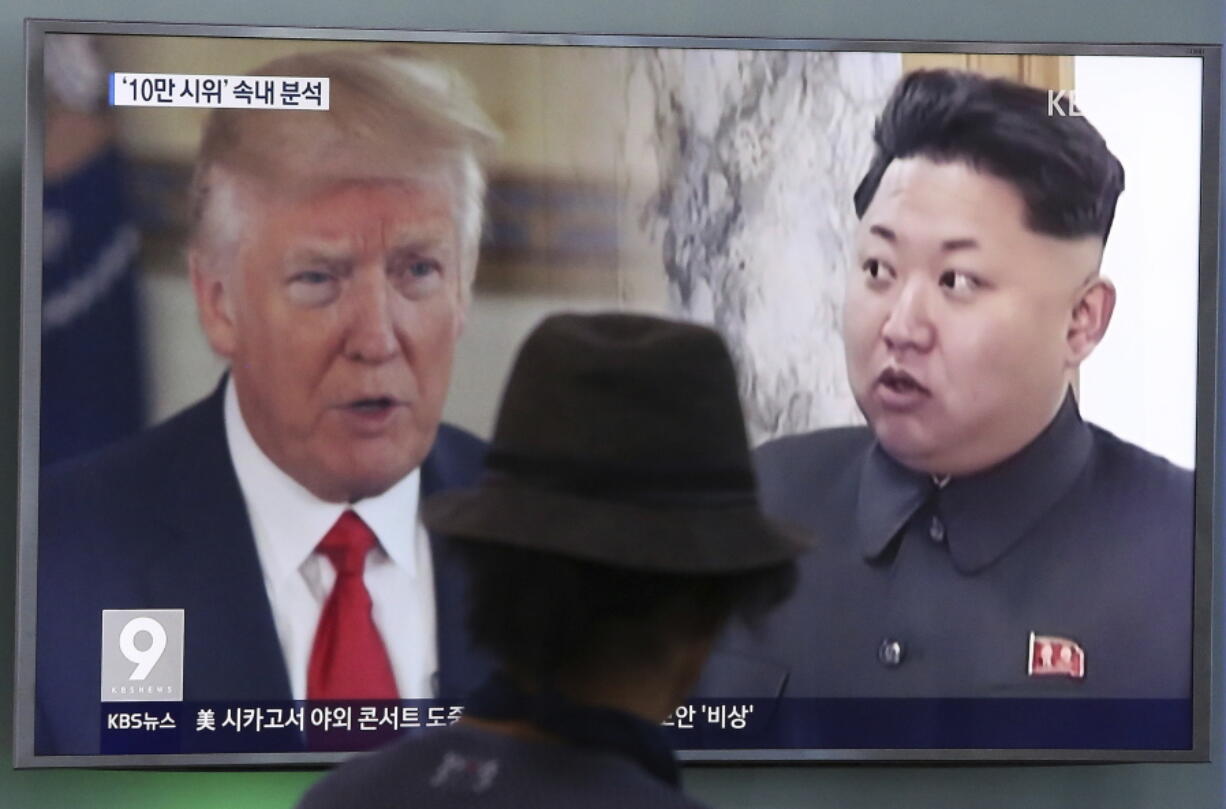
(93,381)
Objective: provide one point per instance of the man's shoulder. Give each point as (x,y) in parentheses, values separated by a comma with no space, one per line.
(831,448)
(1134,459)
(454,441)
(451,766)
(1131,469)
(455,459)
(810,478)
(148,457)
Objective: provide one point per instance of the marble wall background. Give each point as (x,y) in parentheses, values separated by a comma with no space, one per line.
(751,215)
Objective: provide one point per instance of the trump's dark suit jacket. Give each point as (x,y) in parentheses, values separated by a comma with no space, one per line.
(918,590)
(158,521)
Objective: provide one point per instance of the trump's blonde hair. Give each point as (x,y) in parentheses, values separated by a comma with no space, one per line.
(393,116)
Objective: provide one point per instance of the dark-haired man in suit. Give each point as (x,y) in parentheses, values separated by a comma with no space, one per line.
(981,539)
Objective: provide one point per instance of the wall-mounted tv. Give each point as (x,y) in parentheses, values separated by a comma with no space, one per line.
(971,291)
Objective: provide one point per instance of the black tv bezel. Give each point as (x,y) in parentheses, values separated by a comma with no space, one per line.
(1207,403)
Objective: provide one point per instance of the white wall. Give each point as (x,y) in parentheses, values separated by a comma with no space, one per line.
(1141,382)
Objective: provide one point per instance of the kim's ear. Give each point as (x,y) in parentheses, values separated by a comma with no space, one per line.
(1090,317)
(214,303)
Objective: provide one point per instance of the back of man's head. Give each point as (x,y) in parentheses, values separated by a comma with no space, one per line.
(1058,162)
(553,619)
(617,528)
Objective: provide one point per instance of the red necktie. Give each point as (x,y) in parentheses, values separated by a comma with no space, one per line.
(348,659)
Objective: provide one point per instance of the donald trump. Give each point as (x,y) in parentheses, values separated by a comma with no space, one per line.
(331,256)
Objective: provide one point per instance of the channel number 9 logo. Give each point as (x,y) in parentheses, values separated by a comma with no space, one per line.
(138,631)
(142,655)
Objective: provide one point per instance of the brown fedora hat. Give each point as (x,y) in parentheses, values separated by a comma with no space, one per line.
(620,440)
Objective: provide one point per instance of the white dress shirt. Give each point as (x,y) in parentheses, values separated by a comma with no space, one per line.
(288,522)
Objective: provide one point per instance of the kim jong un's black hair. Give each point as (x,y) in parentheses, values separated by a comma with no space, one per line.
(1059,163)
(550,618)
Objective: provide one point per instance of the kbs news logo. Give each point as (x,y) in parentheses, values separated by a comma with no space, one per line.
(1063,104)
(142,655)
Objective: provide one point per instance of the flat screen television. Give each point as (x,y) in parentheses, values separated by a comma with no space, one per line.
(905,250)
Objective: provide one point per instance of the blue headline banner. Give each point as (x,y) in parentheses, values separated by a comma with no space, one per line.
(783,724)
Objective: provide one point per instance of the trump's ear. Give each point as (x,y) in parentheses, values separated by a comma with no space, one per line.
(463,304)
(214,305)
(1091,316)
(462,320)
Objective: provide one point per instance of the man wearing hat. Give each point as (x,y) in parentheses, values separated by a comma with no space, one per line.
(614,533)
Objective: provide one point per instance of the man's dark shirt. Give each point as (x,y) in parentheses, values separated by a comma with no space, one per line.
(461,766)
(919,590)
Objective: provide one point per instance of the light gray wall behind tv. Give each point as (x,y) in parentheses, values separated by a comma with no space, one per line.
(847,787)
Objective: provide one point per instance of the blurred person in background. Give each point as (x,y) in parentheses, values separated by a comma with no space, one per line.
(93,380)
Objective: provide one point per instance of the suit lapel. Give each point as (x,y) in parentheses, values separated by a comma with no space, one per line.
(462,666)
(209,566)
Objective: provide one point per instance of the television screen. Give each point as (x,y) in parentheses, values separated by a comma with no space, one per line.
(274,277)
